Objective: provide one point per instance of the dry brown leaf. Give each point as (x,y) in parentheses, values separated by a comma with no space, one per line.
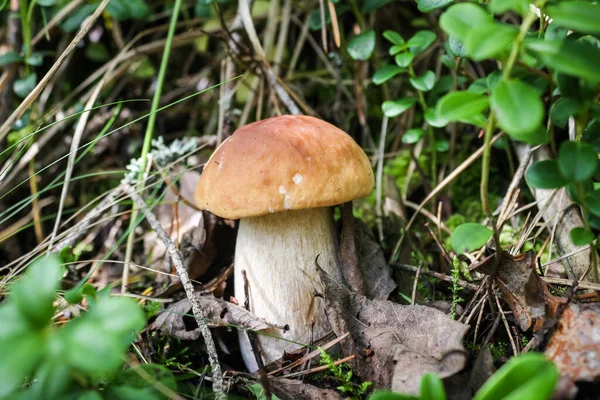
(290,389)
(217,310)
(377,273)
(523,290)
(575,344)
(394,345)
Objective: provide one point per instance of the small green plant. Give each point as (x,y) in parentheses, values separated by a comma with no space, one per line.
(529,376)
(43,359)
(455,287)
(344,374)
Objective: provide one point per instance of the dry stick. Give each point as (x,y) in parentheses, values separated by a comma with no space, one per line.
(437,190)
(5,128)
(512,341)
(436,275)
(66,10)
(189,291)
(379,179)
(413,298)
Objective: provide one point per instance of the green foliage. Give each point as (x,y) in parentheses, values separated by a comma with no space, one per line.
(344,375)
(84,358)
(528,376)
(361,46)
(517,106)
(470,236)
(456,267)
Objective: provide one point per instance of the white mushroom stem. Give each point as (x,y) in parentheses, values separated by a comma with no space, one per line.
(278,252)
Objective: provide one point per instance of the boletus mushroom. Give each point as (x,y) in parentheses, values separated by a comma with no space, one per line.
(280,177)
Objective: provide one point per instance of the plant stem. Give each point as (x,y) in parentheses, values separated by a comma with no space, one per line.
(514,52)
(148,138)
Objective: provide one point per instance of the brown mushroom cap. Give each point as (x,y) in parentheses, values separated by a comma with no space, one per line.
(283,163)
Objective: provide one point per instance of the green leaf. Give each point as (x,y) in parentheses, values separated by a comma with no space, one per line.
(20,356)
(457,48)
(388,395)
(518,108)
(10,57)
(97,52)
(397,48)
(502,6)
(539,136)
(131,379)
(579,16)
(394,37)
(14,323)
(461,18)
(35,59)
(51,380)
(413,135)
(442,145)
(74,20)
(128,9)
(372,5)
(592,202)
(479,86)
(545,175)
(489,40)
(469,237)
(432,388)
(431,5)
(425,82)
(581,236)
(456,106)
(433,119)
(89,395)
(361,46)
(529,376)
(46,3)
(36,291)
(403,60)
(577,161)
(22,87)
(420,41)
(396,107)
(563,109)
(570,57)
(386,73)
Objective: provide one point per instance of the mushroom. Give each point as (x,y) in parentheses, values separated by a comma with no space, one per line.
(280,177)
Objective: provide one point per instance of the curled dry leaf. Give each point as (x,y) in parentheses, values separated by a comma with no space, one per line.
(394,345)
(216,310)
(575,344)
(523,290)
(290,389)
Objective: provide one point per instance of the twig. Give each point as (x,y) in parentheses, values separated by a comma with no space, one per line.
(189,291)
(379,179)
(413,298)
(437,275)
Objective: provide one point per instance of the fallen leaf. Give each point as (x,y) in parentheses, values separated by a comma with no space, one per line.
(216,310)
(575,344)
(394,345)
(523,290)
(377,273)
(290,389)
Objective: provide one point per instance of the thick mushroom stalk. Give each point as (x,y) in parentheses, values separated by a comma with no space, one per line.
(278,253)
